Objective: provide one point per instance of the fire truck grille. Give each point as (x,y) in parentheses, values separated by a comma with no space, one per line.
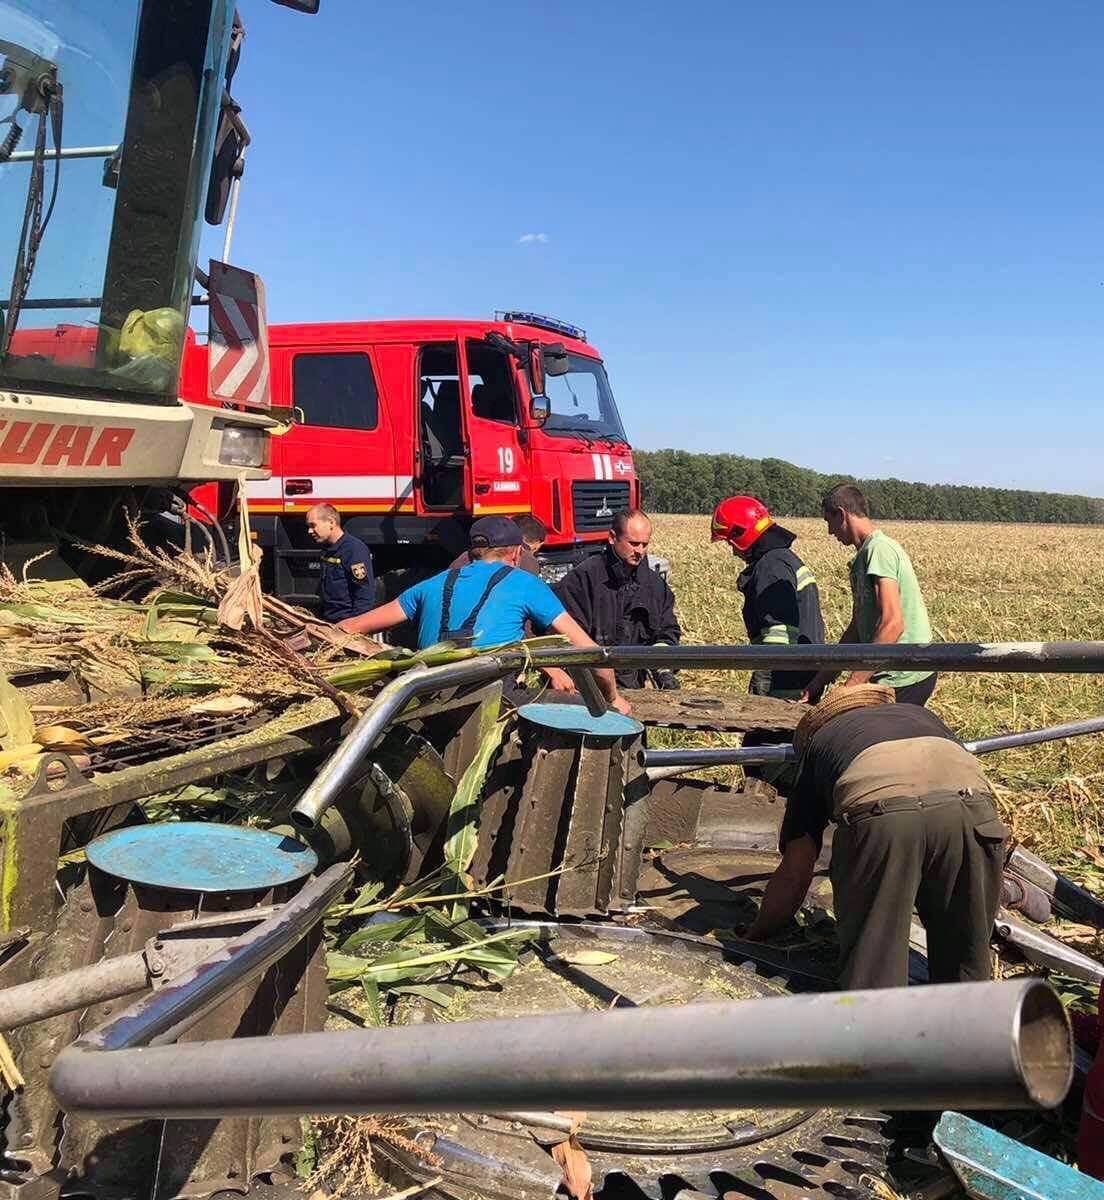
(595,502)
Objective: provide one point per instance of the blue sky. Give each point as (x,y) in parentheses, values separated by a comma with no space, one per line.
(863,237)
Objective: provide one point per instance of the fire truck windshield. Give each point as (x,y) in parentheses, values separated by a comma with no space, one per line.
(107,115)
(581,402)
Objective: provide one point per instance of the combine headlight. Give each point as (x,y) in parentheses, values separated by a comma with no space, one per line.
(243,446)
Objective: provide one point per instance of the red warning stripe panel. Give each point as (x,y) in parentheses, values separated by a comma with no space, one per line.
(238,338)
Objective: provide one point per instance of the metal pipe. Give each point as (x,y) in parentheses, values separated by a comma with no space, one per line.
(975,1045)
(72,990)
(721,756)
(1027,657)
(1070,899)
(75,302)
(584,680)
(67,152)
(341,769)
(1033,737)
(664,764)
(235,191)
(1042,950)
(163,1016)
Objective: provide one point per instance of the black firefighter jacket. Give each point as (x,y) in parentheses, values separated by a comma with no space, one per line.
(781,608)
(619,606)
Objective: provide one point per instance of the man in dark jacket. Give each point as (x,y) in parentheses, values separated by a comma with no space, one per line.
(620,601)
(347,587)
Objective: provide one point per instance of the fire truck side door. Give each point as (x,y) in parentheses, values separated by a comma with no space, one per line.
(499,465)
(343,451)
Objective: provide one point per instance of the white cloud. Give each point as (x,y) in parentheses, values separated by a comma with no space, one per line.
(527,238)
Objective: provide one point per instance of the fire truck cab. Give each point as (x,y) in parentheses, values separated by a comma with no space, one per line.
(412,429)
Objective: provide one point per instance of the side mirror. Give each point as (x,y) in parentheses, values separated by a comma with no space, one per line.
(555,360)
(536,369)
(228,163)
(540,409)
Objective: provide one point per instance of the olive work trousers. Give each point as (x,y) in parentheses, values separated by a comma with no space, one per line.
(941,854)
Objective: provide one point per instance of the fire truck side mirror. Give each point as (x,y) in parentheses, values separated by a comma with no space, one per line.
(539,405)
(536,369)
(540,409)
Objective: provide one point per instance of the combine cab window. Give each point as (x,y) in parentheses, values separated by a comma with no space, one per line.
(102,289)
(338,390)
(491,383)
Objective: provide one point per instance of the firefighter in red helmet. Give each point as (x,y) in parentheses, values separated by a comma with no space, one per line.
(781,604)
(781,601)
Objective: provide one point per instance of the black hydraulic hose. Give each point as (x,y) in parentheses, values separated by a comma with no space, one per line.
(219,532)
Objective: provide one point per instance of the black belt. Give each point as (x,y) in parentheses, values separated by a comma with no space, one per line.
(892,804)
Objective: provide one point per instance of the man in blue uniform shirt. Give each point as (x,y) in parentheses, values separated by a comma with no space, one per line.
(486,603)
(347,587)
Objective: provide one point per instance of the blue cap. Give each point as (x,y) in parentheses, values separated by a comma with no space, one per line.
(492,532)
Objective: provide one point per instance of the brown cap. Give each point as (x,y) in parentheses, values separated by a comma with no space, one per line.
(862,695)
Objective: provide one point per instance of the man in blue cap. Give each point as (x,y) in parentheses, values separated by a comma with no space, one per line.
(485,603)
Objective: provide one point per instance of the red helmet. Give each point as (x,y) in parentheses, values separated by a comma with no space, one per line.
(740,520)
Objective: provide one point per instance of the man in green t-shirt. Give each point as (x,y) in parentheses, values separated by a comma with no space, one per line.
(886,604)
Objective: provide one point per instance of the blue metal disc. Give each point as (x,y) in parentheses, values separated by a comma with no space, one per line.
(197,856)
(576,718)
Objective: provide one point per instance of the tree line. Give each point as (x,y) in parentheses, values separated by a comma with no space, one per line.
(678,481)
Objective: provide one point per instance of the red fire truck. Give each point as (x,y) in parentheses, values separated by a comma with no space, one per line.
(414,428)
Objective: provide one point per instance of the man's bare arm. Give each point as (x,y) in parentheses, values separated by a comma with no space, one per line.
(822,679)
(786,888)
(566,624)
(890,624)
(375,620)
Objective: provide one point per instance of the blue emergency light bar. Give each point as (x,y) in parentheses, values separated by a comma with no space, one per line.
(552,324)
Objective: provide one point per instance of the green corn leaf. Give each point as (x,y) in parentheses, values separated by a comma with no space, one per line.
(463,817)
(389,931)
(443,928)
(45,613)
(180,651)
(361,674)
(425,991)
(373,1009)
(175,605)
(15,713)
(175,681)
(491,956)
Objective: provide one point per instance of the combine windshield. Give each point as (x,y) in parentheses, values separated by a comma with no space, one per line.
(581,401)
(107,112)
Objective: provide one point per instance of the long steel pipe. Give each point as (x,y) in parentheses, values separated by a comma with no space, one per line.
(662,764)
(1030,657)
(982,1045)
(341,768)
